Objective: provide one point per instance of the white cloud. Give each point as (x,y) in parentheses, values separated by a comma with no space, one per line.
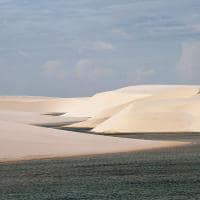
(104,46)
(188,65)
(54,69)
(88,69)
(100,46)
(121,33)
(23,54)
(141,75)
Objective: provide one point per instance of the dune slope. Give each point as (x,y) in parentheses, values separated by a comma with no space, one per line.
(175,110)
(20,141)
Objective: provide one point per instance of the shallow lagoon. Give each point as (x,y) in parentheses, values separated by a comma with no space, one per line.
(157,174)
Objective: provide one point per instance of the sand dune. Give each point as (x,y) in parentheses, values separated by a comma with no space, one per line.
(173,110)
(100,118)
(39,104)
(20,141)
(145,108)
(132,109)
(35,118)
(151,108)
(156,89)
(101,102)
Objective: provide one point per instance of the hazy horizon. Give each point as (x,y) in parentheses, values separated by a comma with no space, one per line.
(78,48)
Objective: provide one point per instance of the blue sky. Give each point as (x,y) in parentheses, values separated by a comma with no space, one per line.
(80,47)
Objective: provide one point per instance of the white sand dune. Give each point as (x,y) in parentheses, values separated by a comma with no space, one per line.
(101,102)
(146,108)
(39,104)
(99,118)
(23,142)
(173,110)
(132,109)
(156,89)
(35,118)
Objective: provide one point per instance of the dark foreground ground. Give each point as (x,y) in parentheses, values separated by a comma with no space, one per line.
(162,174)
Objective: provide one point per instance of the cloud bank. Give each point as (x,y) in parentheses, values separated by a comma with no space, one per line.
(47,46)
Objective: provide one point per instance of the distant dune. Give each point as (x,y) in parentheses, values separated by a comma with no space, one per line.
(38,104)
